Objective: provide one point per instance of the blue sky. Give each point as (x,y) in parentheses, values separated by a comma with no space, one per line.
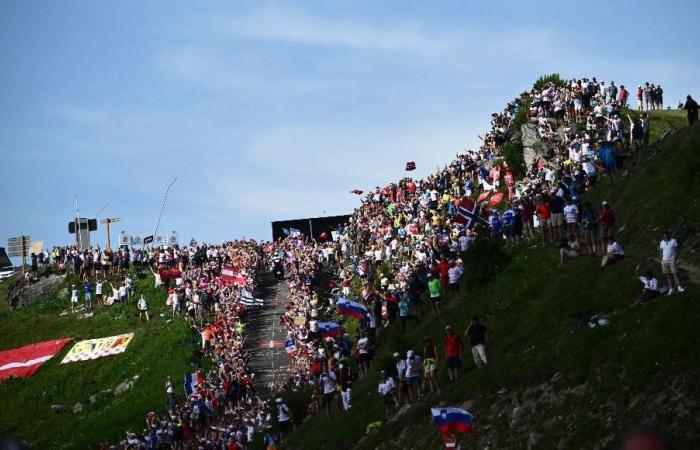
(266,111)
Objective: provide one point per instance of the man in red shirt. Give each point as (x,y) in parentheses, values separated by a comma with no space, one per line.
(453,353)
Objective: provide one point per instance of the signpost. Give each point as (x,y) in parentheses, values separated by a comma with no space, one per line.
(107,221)
(19,247)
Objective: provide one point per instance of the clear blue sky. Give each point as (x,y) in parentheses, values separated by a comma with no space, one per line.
(266,111)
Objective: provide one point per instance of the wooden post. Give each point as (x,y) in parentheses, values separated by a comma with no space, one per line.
(109,241)
(23,250)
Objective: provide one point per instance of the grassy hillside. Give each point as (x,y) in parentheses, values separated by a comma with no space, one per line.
(157,350)
(549,381)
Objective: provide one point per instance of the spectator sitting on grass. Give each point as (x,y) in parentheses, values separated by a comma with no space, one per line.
(613,253)
(651,286)
(568,249)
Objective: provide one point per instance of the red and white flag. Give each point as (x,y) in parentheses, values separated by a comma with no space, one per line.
(467,212)
(228,273)
(25,361)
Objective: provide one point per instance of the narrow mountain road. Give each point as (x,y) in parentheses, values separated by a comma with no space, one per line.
(266,335)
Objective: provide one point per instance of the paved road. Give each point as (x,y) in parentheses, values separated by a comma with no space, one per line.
(266,336)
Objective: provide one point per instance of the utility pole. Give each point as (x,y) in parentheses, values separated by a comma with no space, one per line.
(107,221)
(23,240)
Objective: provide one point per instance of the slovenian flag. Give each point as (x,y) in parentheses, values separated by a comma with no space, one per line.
(349,308)
(191,382)
(329,329)
(290,347)
(451,420)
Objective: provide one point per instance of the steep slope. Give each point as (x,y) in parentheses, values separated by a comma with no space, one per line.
(552,382)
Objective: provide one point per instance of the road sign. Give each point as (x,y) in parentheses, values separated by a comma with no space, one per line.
(111,220)
(147,240)
(19,246)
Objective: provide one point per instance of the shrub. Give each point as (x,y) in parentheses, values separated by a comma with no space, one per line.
(552,77)
(513,154)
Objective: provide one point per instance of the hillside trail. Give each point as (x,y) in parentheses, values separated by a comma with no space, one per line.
(266,335)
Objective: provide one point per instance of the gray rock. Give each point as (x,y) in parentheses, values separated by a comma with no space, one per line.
(77,407)
(93,398)
(533,440)
(533,145)
(123,387)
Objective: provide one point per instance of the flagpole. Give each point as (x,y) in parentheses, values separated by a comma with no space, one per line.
(77,223)
(162,206)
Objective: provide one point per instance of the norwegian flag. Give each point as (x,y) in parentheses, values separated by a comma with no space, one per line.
(467,213)
(410,165)
(356,191)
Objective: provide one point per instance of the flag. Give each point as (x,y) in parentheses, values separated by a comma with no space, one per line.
(228,273)
(329,329)
(290,347)
(169,273)
(495,199)
(25,361)
(483,196)
(452,420)
(349,308)
(410,165)
(467,213)
(247,299)
(293,232)
(356,191)
(191,382)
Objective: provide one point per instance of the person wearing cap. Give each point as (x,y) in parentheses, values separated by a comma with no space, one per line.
(453,353)
(414,366)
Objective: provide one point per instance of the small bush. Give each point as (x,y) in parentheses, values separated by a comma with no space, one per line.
(513,154)
(552,77)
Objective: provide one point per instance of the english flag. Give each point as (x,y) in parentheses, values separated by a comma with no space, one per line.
(410,165)
(25,361)
(451,420)
(356,191)
(467,212)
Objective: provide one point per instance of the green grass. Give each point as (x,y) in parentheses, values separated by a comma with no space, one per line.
(528,304)
(157,350)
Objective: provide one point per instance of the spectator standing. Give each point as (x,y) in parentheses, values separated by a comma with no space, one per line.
(73,298)
(477,338)
(414,366)
(430,365)
(668,248)
(143,308)
(88,293)
(606,219)
(589,220)
(691,106)
(362,347)
(284,417)
(387,389)
(453,353)
(435,292)
(401,378)
(327,381)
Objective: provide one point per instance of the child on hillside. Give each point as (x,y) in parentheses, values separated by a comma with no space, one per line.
(651,286)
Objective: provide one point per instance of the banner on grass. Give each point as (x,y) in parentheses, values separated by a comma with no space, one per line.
(25,361)
(97,348)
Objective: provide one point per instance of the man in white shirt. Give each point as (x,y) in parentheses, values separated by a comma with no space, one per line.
(668,248)
(327,381)
(143,308)
(363,349)
(387,389)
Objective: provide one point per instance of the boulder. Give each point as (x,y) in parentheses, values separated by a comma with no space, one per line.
(533,145)
(77,407)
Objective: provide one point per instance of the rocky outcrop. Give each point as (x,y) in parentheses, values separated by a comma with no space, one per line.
(533,146)
(24,293)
